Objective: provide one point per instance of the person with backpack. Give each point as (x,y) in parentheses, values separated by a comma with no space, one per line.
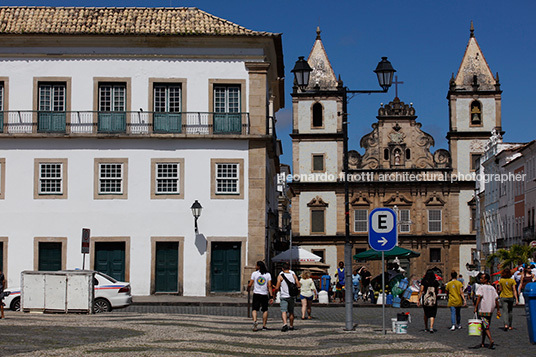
(288,285)
(261,281)
(428,299)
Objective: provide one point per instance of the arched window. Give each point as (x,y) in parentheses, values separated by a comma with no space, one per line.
(386,154)
(476,113)
(408,154)
(317,115)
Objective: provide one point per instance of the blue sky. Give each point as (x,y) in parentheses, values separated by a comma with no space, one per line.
(425,41)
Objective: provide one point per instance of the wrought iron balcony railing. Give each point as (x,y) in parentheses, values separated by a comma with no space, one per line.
(130,123)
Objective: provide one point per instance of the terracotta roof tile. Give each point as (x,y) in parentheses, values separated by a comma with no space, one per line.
(117,21)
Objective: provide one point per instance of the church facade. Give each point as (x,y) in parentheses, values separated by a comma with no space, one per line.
(431,191)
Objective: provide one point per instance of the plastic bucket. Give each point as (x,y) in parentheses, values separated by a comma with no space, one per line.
(401,327)
(393,323)
(475,327)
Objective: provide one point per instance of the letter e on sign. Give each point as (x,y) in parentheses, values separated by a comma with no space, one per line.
(382,222)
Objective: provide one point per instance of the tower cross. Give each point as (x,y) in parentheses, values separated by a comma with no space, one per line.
(396,83)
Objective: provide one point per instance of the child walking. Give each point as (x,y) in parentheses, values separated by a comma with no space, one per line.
(486,301)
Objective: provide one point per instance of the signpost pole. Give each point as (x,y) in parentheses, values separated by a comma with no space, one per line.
(383,292)
(383,236)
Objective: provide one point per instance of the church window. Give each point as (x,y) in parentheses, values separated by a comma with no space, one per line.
(476,113)
(386,154)
(317,221)
(405,221)
(317,115)
(474,161)
(435,255)
(408,154)
(360,220)
(434,220)
(318,163)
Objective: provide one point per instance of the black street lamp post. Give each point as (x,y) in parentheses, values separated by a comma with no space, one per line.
(196,211)
(385,72)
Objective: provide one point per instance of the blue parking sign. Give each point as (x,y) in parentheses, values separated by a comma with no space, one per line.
(383,235)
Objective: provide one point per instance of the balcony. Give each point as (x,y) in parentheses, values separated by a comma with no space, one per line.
(127,123)
(51,122)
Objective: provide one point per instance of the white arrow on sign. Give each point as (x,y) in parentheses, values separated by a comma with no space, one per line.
(383,241)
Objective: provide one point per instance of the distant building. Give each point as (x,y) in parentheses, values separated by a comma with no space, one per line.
(118,119)
(506,195)
(432,191)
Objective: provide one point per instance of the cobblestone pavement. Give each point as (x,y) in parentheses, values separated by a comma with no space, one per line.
(216,331)
(511,343)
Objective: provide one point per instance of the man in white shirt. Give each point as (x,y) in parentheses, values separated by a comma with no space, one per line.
(287,301)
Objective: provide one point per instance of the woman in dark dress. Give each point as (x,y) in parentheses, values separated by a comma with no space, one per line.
(428,299)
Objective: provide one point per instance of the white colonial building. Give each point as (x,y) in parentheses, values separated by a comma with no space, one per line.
(118,120)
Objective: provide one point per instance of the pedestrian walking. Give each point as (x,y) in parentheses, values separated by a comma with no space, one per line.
(307,294)
(476,284)
(2,287)
(341,272)
(287,299)
(428,299)
(461,280)
(456,299)
(487,300)
(261,281)
(509,297)
(526,277)
(365,281)
(356,280)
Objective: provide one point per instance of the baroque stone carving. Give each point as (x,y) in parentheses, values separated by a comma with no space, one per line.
(317,202)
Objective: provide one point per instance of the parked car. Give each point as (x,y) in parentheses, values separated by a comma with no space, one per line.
(109,294)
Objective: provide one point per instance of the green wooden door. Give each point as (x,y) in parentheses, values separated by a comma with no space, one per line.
(110,259)
(225,267)
(49,256)
(167,267)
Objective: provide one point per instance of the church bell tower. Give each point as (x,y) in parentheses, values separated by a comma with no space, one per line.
(474,108)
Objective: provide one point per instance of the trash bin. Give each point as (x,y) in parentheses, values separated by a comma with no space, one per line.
(530,309)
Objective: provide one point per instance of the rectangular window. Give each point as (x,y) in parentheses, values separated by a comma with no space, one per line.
(473,218)
(110,178)
(112,97)
(52,97)
(50,178)
(360,220)
(227,179)
(317,221)
(474,161)
(167,108)
(435,255)
(227,107)
(321,253)
(112,116)
(434,220)
(227,98)
(167,98)
(318,163)
(167,178)
(51,107)
(405,220)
